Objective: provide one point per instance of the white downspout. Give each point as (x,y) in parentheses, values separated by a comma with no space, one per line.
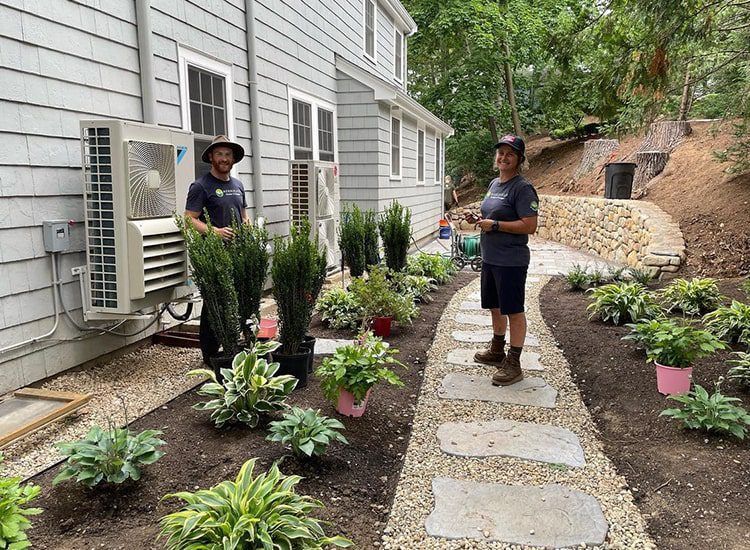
(146,60)
(255,160)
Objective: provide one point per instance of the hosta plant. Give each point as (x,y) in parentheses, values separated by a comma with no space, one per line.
(378,299)
(713,413)
(640,275)
(307,431)
(678,345)
(418,286)
(434,266)
(730,323)
(14,515)
(691,297)
(252,512)
(596,277)
(577,278)
(621,303)
(111,455)
(745,286)
(616,274)
(740,372)
(339,309)
(249,389)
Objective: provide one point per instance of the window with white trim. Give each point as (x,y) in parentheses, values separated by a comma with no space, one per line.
(370,25)
(398,56)
(325,134)
(420,156)
(395,147)
(312,125)
(438,160)
(302,129)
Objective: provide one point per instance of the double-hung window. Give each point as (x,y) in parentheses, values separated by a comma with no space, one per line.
(370,28)
(395,147)
(398,56)
(438,160)
(313,128)
(420,156)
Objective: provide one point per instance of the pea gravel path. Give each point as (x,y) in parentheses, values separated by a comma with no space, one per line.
(425,461)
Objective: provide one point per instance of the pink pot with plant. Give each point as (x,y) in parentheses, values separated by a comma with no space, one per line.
(348,406)
(673,380)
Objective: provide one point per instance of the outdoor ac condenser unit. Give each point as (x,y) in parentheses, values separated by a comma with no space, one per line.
(136,177)
(314,195)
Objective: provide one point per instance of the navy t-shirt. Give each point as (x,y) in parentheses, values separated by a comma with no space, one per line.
(224,200)
(507,202)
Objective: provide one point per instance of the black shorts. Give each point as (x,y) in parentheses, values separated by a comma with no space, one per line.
(503,288)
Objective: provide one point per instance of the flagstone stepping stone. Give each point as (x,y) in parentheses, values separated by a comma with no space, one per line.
(468,319)
(539,442)
(551,516)
(463,356)
(531,391)
(484,336)
(471,305)
(327,346)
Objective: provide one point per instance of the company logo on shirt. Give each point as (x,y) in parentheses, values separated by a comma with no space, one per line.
(534,206)
(219,193)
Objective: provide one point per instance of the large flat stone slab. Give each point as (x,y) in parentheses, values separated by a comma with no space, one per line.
(472,305)
(484,336)
(539,442)
(473,319)
(530,391)
(328,346)
(530,360)
(551,516)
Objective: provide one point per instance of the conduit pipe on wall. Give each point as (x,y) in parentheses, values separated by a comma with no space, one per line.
(252,68)
(146,59)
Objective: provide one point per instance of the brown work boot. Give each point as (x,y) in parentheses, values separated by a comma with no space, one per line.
(509,372)
(494,354)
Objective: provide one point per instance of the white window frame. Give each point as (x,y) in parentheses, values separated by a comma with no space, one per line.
(421,128)
(396,113)
(398,35)
(438,158)
(315,103)
(374,56)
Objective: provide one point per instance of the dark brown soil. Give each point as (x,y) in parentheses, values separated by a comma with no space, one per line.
(692,487)
(355,482)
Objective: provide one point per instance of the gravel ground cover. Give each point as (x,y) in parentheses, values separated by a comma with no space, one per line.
(424,460)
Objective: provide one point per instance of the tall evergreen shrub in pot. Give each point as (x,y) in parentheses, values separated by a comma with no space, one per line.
(212,272)
(352,240)
(249,254)
(298,272)
(395,230)
(372,255)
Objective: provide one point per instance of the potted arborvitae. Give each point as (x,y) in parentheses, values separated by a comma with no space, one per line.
(381,304)
(212,272)
(352,240)
(249,253)
(372,255)
(395,231)
(298,272)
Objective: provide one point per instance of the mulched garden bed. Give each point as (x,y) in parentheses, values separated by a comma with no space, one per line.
(692,487)
(355,482)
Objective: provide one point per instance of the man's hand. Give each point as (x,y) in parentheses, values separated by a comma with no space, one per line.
(225,233)
(484,225)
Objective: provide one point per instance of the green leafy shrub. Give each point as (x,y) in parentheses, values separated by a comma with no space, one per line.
(262,511)
(643,333)
(712,413)
(339,309)
(620,303)
(14,519)
(307,431)
(641,275)
(372,255)
(595,277)
(352,240)
(730,323)
(395,231)
(577,278)
(417,286)
(745,286)
(741,370)
(250,388)
(249,253)
(378,299)
(112,455)
(358,367)
(692,297)
(434,266)
(674,344)
(616,274)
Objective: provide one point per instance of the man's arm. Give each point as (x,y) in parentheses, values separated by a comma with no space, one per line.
(524,226)
(224,232)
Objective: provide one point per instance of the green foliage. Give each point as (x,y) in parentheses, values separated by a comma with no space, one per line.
(251,512)
(378,299)
(674,344)
(471,154)
(212,272)
(741,370)
(577,278)
(621,303)
(745,287)
(595,277)
(307,431)
(642,276)
(249,389)
(417,286)
(395,231)
(691,297)
(249,253)
(358,367)
(339,309)
(644,332)
(616,274)
(434,266)
(372,255)
(298,272)
(13,511)
(352,240)
(730,323)
(112,455)
(712,413)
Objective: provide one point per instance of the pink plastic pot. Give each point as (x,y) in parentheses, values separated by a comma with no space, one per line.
(381,326)
(268,328)
(348,407)
(672,380)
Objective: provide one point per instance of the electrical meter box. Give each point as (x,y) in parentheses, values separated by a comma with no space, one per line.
(56,235)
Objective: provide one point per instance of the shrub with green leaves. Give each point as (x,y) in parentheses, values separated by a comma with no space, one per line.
(339,309)
(712,413)
(249,389)
(691,297)
(249,252)
(434,266)
(616,274)
(251,512)
(395,231)
(418,286)
(307,431)
(111,455)
(621,303)
(596,277)
(372,254)
(740,372)
(378,299)
(352,240)
(644,332)
(14,515)
(641,275)
(577,278)
(745,286)
(675,344)
(730,323)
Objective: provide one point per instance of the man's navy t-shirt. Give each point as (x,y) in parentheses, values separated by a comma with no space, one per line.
(507,202)
(224,200)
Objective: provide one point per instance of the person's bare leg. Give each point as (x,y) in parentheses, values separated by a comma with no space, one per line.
(495,352)
(499,322)
(517,323)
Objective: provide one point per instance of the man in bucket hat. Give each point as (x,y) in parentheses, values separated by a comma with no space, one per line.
(223,198)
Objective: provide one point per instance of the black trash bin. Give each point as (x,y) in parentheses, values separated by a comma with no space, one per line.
(618,177)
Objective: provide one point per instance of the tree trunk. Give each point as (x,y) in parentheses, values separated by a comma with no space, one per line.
(687,96)
(492,124)
(594,150)
(511,92)
(665,136)
(649,164)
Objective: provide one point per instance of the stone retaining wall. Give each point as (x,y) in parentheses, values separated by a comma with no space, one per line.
(636,233)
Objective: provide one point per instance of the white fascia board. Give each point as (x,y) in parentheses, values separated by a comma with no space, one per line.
(413,107)
(401,17)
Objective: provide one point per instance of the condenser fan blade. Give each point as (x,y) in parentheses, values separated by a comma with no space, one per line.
(151,174)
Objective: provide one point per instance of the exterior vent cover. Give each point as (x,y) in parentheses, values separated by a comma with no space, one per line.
(151,176)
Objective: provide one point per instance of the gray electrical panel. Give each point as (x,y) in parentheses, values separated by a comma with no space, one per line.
(56,235)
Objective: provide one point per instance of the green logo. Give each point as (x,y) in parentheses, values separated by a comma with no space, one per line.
(487,195)
(534,206)
(219,193)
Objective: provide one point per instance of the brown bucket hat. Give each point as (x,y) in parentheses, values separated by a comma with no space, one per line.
(223,141)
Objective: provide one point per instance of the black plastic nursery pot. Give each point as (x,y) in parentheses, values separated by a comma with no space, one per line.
(309,343)
(219,362)
(294,364)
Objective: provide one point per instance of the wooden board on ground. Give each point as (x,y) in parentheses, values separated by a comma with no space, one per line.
(30,409)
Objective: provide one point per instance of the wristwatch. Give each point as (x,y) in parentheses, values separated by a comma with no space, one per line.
(496,226)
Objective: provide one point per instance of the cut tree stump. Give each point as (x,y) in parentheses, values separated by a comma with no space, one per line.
(593,151)
(650,164)
(665,136)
